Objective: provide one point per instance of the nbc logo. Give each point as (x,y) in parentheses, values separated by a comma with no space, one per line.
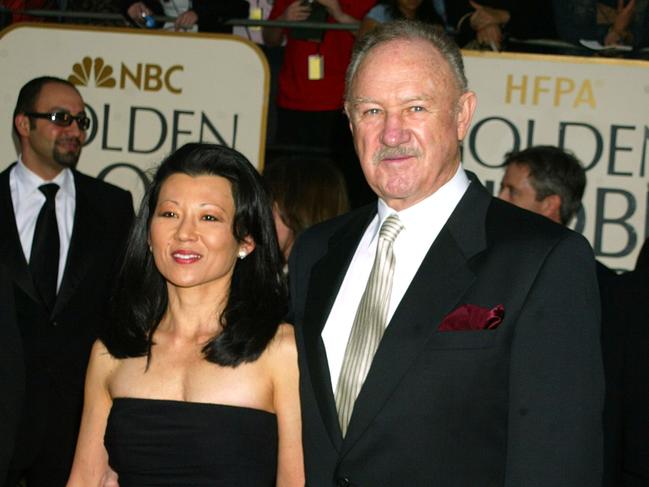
(141,76)
(103,73)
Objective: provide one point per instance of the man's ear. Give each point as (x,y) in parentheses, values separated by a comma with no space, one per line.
(21,122)
(551,207)
(465,109)
(347,110)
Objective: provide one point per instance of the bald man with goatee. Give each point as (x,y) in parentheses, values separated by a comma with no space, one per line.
(63,234)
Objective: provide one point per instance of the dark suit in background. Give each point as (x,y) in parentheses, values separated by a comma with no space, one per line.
(632,339)
(56,346)
(12,371)
(550,181)
(635,468)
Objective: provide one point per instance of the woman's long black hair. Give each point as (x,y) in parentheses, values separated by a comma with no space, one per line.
(257,299)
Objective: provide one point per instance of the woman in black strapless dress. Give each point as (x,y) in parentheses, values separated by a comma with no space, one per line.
(196,381)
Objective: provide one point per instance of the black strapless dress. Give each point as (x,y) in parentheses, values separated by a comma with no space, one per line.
(153,442)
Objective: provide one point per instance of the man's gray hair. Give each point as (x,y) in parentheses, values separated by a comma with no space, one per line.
(407,30)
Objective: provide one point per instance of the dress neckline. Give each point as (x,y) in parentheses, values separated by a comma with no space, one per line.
(190,403)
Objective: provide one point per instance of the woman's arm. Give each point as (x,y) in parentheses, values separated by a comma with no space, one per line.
(91,459)
(286,400)
(335,10)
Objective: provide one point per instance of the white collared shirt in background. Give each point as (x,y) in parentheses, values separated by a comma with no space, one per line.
(28,200)
(422,224)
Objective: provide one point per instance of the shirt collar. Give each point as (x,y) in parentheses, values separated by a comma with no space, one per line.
(438,205)
(30,181)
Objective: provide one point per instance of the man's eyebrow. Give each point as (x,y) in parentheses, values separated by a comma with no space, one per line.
(408,99)
(55,109)
(359,100)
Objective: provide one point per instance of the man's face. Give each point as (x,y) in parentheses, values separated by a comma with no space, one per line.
(48,148)
(516,188)
(407,117)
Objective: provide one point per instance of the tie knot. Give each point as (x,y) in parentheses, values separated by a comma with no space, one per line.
(391,228)
(49,190)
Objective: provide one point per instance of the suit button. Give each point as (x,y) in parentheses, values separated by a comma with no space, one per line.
(344,482)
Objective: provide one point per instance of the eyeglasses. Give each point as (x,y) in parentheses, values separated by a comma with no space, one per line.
(63,119)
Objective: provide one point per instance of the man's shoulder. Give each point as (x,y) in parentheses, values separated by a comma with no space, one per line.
(352,220)
(314,241)
(99,187)
(509,221)
(520,234)
(5,172)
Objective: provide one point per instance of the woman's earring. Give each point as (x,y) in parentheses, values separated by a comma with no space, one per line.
(242,254)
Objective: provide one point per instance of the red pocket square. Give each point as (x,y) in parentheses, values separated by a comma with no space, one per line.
(472,317)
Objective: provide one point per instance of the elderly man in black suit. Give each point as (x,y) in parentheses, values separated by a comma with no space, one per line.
(63,236)
(445,337)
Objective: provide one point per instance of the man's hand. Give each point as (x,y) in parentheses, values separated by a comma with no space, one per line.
(137,12)
(623,19)
(487,23)
(334,9)
(485,16)
(186,20)
(490,35)
(296,11)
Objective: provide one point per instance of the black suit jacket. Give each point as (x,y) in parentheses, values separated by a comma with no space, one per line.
(629,376)
(518,406)
(12,372)
(56,346)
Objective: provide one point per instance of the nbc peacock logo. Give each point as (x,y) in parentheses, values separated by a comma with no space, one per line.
(88,68)
(149,77)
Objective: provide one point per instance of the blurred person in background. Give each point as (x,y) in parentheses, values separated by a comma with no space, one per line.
(386,10)
(611,22)
(311,82)
(487,24)
(191,15)
(550,181)
(304,192)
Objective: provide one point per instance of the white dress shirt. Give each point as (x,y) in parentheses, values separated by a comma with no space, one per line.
(422,223)
(28,200)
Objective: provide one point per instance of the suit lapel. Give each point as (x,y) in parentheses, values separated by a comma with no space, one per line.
(442,279)
(326,278)
(87,224)
(11,251)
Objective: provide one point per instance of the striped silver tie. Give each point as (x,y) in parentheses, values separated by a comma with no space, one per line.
(369,323)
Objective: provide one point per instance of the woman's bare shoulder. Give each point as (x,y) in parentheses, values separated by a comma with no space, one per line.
(282,347)
(102,363)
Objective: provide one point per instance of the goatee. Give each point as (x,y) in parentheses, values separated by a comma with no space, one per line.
(67,158)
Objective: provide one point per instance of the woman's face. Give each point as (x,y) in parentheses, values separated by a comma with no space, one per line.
(191,231)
